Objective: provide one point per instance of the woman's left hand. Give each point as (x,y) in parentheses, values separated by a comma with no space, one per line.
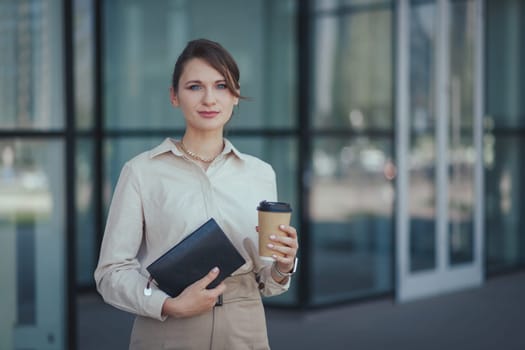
(287,246)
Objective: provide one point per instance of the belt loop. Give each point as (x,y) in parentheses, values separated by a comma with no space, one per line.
(219,301)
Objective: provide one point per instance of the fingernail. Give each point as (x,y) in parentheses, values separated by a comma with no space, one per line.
(270,245)
(274,256)
(272,237)
(281,226)
(215,269)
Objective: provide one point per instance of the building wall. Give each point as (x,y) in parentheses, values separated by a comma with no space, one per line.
(332,161)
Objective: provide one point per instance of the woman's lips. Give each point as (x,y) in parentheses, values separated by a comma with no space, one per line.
(208,114)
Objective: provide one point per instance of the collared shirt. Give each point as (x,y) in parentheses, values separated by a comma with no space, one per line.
(161,197)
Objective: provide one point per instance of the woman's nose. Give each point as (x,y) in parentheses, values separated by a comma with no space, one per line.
(209,97)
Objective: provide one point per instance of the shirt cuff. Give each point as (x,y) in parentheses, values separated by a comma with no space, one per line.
(153,304)
(272,287)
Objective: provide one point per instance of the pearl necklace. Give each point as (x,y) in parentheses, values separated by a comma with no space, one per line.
(196,156)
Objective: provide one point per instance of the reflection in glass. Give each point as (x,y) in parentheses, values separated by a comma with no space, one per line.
(461,144)
(32,240)
(422,153)
(503,149)
(84,65)
(87,254)
(143,41)
(30,64)
(504,69)
(353,70)
(354,4)
(351,211)
(504,203)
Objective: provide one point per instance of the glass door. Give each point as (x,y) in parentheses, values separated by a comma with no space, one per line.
(438,136)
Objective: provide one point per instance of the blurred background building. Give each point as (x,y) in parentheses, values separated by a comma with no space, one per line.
(395,128)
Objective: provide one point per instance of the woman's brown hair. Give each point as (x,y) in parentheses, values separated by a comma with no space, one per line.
(216,56)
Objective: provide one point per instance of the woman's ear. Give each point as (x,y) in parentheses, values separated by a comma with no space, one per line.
(173,98)
(236,99)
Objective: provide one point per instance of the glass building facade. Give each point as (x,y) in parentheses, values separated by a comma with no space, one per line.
(84,86)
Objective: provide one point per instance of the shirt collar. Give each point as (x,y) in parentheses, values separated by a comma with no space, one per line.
(168,145)
(230,148)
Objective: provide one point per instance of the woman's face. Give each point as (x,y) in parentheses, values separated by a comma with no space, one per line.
(203,97)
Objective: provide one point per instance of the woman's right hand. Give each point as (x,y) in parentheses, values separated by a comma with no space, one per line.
(195,299)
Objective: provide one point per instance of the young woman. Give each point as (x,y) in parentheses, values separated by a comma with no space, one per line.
(164,194)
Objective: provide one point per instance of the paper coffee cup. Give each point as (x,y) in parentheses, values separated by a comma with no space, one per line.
(271,215)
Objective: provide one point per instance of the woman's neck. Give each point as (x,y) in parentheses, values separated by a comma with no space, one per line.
(206,146)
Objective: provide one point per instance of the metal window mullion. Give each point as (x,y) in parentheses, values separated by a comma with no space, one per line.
(402,146)
(442,127)
(305,143)
(478,135)
(98,127)
(70,194)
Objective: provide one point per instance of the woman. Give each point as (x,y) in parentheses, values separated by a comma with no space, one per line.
(164,194)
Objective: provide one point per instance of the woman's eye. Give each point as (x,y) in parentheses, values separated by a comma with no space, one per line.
(221,86)
(194,87)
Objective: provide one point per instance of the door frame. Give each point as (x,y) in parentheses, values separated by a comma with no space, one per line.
(443,278)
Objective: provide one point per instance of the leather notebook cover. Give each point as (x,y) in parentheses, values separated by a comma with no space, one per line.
(195,256)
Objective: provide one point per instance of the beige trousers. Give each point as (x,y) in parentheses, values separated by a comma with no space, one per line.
(239,324)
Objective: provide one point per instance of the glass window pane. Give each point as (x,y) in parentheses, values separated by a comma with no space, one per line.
(32,261)
(504,204)
(504,57)
(84,65)
(86,235)
(505,105)
(461,143)
(31,64)
(143,40)
(422,202)
(357,4)
(422,152)
(353,66)
(352,202)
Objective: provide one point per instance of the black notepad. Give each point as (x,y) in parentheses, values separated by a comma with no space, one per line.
(195,256)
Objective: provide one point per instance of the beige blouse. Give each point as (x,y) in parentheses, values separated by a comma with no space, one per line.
(162,196)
